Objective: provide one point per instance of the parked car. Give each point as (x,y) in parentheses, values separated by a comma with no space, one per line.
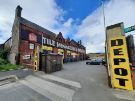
(96,62)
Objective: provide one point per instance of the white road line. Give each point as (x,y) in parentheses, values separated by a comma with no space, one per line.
(52,91)
(64,81)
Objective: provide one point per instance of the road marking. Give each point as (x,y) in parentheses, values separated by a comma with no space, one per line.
(52,91)
(61,80)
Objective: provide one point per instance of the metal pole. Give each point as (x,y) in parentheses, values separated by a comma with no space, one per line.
(103,14)
(106,44)
(105,31)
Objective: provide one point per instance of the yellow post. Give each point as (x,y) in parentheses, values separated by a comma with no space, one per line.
(36,63)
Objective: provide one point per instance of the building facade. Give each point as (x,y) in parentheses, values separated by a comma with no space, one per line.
(28,37)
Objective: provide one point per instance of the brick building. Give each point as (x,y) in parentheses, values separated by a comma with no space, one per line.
(28,37)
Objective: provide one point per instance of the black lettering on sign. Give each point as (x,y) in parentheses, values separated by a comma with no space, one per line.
(122,82)
(118,60)
(121,71)
(117,51)
(117,42)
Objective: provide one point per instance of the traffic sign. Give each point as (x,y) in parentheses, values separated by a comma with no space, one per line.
(129,29)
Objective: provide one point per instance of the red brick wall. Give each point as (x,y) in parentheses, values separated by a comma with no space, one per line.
(24,46)
(24,50)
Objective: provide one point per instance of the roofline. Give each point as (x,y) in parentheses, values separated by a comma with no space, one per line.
(7,40)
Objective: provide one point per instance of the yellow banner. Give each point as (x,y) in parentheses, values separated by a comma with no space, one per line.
(47,48)
(121,75)
(61,50)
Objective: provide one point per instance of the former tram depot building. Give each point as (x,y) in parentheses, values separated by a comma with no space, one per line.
(29,40)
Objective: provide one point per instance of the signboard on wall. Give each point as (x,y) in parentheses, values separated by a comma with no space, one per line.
(50,42)
(47,48)
(32,37)
(25,57)
(36,37)
(120,70)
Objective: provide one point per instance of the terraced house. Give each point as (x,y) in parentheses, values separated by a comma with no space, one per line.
(28,37)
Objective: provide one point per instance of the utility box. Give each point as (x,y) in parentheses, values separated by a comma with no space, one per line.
(51,62)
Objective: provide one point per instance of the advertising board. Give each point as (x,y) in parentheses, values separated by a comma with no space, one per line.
(120,69)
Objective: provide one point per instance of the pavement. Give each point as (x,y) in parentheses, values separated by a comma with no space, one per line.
(21,73)
(76,82)
(93,79)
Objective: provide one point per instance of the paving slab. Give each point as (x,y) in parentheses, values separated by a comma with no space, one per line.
(19,92)
(55,90)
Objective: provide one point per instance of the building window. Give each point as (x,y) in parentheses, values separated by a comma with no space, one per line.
(31,46)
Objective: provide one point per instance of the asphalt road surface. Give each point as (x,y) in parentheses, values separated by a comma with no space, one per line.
(76,82)
(93,79)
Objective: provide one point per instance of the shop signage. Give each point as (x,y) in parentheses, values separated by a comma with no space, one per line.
(47,48)
(50,42)
(25,57)
(121,76)
(32,37)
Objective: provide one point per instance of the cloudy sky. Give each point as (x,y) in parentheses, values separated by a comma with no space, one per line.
(77,19)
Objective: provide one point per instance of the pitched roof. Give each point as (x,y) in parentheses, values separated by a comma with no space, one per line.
(35,26)
(39,28)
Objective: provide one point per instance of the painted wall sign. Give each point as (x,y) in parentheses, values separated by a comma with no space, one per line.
(60,45)
(31,46)
(121,76)
(32,37)
(47,48)
(25,35)
(36,59)
(26,57)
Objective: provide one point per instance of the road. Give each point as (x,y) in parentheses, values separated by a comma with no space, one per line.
(93,79)
(76,82)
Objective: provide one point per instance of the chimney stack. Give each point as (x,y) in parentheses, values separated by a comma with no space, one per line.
(18,11)
(80,42)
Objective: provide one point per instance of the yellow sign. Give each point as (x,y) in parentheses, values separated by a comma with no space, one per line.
(121,76)
(47,48)
(61,50)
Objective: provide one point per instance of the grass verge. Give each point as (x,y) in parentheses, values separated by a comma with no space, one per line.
(8,66)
